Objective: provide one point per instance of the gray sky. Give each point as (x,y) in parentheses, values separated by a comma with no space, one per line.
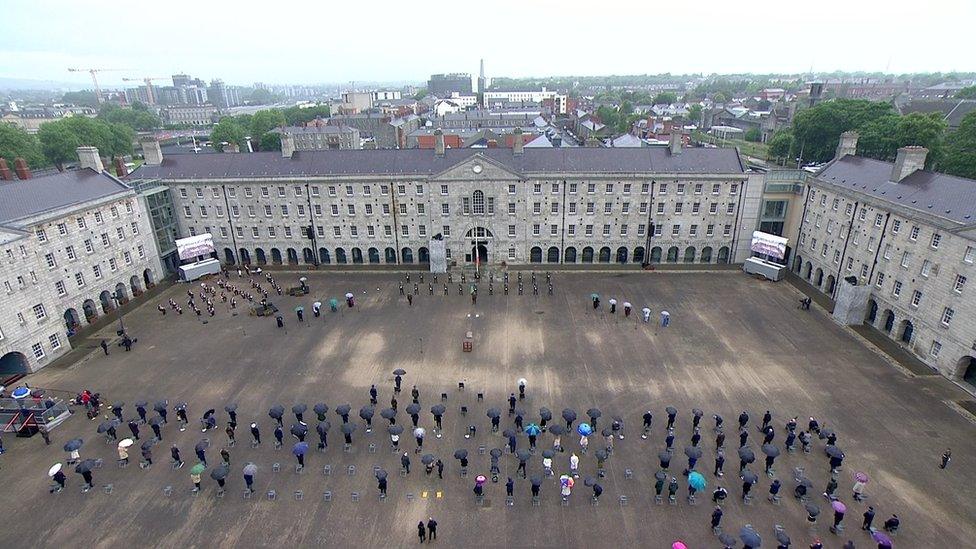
(317,41)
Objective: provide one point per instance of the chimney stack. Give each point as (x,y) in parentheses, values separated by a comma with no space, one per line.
(20,166)
(120,169)
(674,145)
(88,158)
(909,160)
(5,173)
(151,152)
(438,142)
(232,148)
(847,145)
(518,144)
(287,145)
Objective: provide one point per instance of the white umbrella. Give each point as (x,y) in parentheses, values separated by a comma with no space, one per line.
(317,304)
(54,469)
(419,432)
(626,304)
(613,301)
(125,443)
(303,279)
(349,295)
(646,310)
(522,381)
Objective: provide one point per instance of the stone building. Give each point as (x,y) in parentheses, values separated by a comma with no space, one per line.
(72,246)
(495,206)
(319,137)
(191,115)
(909,235)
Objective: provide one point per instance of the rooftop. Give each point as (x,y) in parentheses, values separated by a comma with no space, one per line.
(25,198)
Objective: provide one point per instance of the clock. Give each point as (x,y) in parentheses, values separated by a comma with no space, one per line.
(476,168)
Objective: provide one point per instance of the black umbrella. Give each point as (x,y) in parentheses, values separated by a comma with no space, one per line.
(783,538)
(509,433)
(548,453)
(427,459)
(693,452)
(545,414)
(343,409)
(73,444)
(299,409)
(661,475)
(520,412)
(746,454)
(388,413)
(601,454)
(348,428)
(230,408)
(118,404)
(108,424)
(147,444)
(395,429)
(495,452)
(413,408)
(209,413)
(749,476)
(320,408)
(671,410)
(826,432)
(750,537)
(804,482)
(323,427)
(366,412)
(85,466)
(299,429)
(277,411)
(557,429)
(381,474)
(523,454)
(399,372)
(536,480)
(161,405)
(664,456)
(589,481)
(202,445)
(460,453)
(220,472)
(569,415)
(493,412)
(697,413)
(180,406)
(770,450)
(834,452)
(812,508)
(607,431)
(438,409)
(594,413)
(155,420)
(727,539)
(141,403)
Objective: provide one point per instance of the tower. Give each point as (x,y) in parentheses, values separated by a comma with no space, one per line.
(482,84)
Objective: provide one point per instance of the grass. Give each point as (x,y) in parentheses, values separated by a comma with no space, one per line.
(748,148)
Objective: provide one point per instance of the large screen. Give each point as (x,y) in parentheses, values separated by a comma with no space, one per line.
(194,246)
(769,244)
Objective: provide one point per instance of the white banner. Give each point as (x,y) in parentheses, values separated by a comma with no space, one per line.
(769,244)
(193,246)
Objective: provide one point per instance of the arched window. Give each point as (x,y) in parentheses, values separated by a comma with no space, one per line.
(478,203)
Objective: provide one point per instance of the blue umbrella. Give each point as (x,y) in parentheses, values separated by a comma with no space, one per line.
(300,448)
(20,392)
(532,429)
(696,480)
(584,429)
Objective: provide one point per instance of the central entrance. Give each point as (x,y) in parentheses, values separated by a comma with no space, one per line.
(479,239)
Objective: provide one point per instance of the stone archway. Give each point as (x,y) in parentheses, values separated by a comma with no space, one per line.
(605,254)
(588,254)
(423,255)
(673,254)
(656,254)
(639,254)
(90,310)
(148,277)
(390,255)
(134,285)
(807,270)
(308,256)
(723,254)
(258,254)
(622,255)
(276,256)
(357,255)
(324,256)
(906,330)
(872,312)
(818,279)
(689,254)
(570,255)
(121,294)
(799,265)
(831,282)
(14,363)
(340,254)
(292,256)
(229,256)
(889,321)
(706,255)
(374,255)
(966,370)
(406,255)
(535,255)
(552,255)
(71,320)
(106,299)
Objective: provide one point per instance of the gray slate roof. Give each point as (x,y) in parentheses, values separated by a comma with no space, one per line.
(422,162)
(936,194)
(25,198)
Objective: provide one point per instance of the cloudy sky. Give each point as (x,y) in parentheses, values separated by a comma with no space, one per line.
(323,41)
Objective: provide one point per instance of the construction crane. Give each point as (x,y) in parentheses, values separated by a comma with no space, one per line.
(93,72)
(150,98)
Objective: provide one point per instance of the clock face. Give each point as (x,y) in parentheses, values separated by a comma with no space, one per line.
(476,168)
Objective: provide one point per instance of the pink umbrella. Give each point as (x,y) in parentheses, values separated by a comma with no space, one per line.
(480,479)
(838,506)
(860,476)
(679,545)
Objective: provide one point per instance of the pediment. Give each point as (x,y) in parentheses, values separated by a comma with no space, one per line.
(478,167)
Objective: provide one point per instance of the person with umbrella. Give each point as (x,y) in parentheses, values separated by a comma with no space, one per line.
(512,442)
(208,421)
(428,461)
(438,411)
(693,453)
(669,440)
(570,416)
(276,413)
(347,431)
(342,411)
(323,431)
(771,452)
(813,510)
(750,538)
(174,451)
(108,427)
(519,419)
(249,471)
(255,435)
(839,510)
(299,450)
(716,519)
(162,409)
(405,462)
(523,457)
(413,409)
(584,430)
(860,480)
(532,430)
(134,428)
(891,525)
(395,431)
(146,454)
(748,479)
(415,394)
(479,486)
(231,410)
(123,450)
(648,418)
(574,465)
(495,415)
(495,453)
(418,434)
(672,414)
(366,413)
(141,410)
(154,424)
(279,435)
(868,518)
(613,305)
(696,437)
(117,410)
(57,475)
(85,470)
(397,380)
(557,430)
(521,388)
(566,483)
(836,458)
(320,410)
(547,456)
(664,458)
(696,483)
(220,475)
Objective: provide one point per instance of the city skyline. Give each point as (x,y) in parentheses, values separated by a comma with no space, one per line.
(41,42)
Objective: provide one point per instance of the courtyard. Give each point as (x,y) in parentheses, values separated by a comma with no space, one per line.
(733,344)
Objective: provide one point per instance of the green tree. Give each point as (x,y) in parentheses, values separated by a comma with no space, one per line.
(139,120)
(665,98)
(60,138)
(816,131)
(695,114)
(228,130)
(781,143)
(882,138)
(261,97)
(17,143)
(86,98)
(270,141)
(297,116)
(960,150)
(719,97)
(967,93)
(753,134)
(422,93)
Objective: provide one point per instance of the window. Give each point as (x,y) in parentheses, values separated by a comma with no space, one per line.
(183,193)
(105,240)
(678,206)
(913,235)
(39,313)
(511,231)
(864,270)
(692,231)
(336,230)
(871,244)
(511,208)
(936,239)
(660,208)
(850,264)
(970,254)
(62,229)
(401,190)
(98,218)
(572,208)
(887,251)
(80,280)
(607,207)
(536,229)
(698,188)
(936,349)
(444,190)
(247,192)
(823,200)
(135,227)
(215,192)
(716,187)
(420,189)
(511,254)
(250,211)
(645,188)
(836,256)
(727,230)
(318,209)
(609,188)
(315,190)
(446,230)
(947,314)
(142,249)
(895,226)
(422,230)
(240,232)
(49,259)
(301,210)
(591,188)
(351,208)
(127,257)
(658,229)
(905,259)
(332,190)
(403,209)
(404,230)
(590,208)
(733,189)
(384,190)
(835,204)
(896,288)
(681,188)
(120,233)
(511,189)
(187,212)
(849,209)
(335,209)
(713,208)
(554,208)
(284,210)
(916,298)
(232,192)
(588,230)
(573,188)
(642,208)
(81,222)
(353,231)
(662,188)
(571,230)
(627,187)
(113,264)
(38,351)
(536,188)
(272,232)
(880,282)
(320,231)
(709,230)
(553,230)
(959,284)
(641,229)
(695,206)
(267,210)
(59,286)
(675,230)
(606,229)
(824,251)
(199,191)
(862,215)
(730,209)
(537,208)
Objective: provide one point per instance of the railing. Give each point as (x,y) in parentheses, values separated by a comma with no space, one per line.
(785,181)
(15,414)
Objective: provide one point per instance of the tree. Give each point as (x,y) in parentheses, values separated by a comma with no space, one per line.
(665,98)
(967,93)
(298,116)
(270,141)
(960,150)
(139,120)
(17,143)
(719,97)
(86,98)
(882,138)
(753,134)
(422,93)
(781,143)
(60,138)
(263,122)
(228,130)
(261,97)
(695,114)
(817,130)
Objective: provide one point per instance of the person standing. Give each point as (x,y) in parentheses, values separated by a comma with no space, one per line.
(719,463)
(60,479)
(104,346)
(177,461)
(716,517)
(195,479)
(431,529)
(440,469)
(422,531)
(249,482)
(405,462)
(868,518)
(946,456)
(510,487)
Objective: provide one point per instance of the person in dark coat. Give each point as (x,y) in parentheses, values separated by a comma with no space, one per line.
(177,460)
(59,478)
(422,531)
(255,434)
(719,463)
(381,485)
(716,517)
(510,487)
(868,519)
(134,427)
(431,529)
(405,462)
(104,346)
(511,404)
(279,434)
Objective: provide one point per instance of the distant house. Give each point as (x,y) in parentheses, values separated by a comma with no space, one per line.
(952,110)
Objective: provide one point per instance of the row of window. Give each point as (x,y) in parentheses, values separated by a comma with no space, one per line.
(62,227)
(79,277)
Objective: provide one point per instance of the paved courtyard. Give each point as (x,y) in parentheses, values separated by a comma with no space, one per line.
(733,344)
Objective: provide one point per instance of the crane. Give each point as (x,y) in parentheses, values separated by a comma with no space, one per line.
(150,98)
(93,72)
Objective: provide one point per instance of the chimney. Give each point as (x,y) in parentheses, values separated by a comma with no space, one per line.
(674,145)
(120,169)
(88,158)
(492,144)
(287,145)
(5,173)
(438,142)
(232,148)
(151,152)
(20,166)
(847,145)
(557,141)
(518,144)
(909,160)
